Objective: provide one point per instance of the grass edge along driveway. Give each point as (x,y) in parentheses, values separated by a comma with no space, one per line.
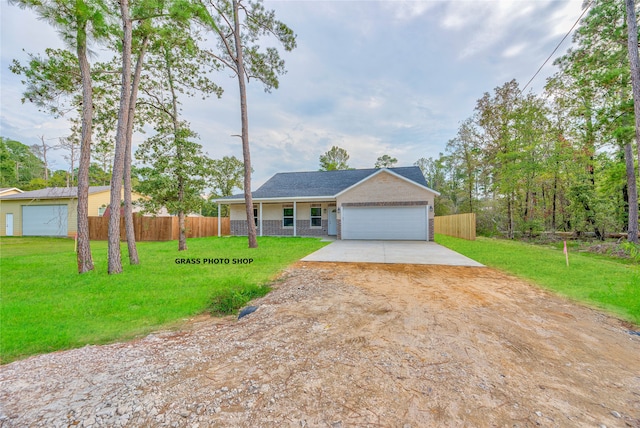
(599,281)
(45,305)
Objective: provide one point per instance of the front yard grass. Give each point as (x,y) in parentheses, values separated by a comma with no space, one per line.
(45,305)
(605,282)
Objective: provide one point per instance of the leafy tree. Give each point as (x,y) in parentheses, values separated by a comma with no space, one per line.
(18,165)
(239,51)
(98,176)
(35,184)
(59,178)
(226,174)
(334,159)
(175,171)
(52,81)
(436,173)
(466,156)
(385,161)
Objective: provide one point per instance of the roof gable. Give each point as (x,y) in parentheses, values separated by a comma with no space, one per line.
(13,190)
(419,182)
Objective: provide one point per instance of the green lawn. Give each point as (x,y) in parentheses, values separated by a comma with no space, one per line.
(604,282)
(45,305)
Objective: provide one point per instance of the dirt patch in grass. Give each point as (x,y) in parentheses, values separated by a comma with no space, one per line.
(353,345)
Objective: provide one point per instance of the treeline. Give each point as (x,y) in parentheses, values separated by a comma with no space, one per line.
(562,160)
(27,167)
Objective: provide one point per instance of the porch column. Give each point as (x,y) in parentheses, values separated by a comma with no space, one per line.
(294,219)
(260,218)
(219,228)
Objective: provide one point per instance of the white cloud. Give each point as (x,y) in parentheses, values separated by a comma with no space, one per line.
(406,10)
(514,50)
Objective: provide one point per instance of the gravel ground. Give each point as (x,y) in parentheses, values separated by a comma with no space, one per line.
(338,345)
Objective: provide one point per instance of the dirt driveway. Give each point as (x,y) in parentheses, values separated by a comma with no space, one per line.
(341,345)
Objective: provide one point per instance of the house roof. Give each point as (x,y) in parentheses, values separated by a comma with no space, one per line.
(54,193)
(328,184)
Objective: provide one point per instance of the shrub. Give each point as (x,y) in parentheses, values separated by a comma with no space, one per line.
(229,300)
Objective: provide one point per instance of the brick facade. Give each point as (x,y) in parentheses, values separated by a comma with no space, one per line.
(274,228)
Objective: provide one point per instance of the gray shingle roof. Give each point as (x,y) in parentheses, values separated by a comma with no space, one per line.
(322,183)
(54,193)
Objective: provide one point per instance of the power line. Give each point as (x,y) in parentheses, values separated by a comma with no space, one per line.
(558,46)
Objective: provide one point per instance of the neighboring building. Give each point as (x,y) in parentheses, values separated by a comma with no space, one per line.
(387,204)
(48,212)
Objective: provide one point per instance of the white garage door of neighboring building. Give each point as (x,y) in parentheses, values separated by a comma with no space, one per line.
(385,223)
(44,220)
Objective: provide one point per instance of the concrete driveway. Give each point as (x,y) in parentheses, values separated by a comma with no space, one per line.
(408,252)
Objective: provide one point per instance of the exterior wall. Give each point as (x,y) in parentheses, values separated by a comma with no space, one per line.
(236,212)
(15,207)
(272,220)
(96,200)
(99,199)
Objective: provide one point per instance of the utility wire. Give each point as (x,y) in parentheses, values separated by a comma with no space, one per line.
(558,46)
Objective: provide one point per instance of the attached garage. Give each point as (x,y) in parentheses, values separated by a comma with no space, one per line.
(45,220)
(385,222)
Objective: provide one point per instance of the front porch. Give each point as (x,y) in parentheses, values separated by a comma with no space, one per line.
(295,218)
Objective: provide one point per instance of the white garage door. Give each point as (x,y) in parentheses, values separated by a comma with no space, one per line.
(44,220)
(387,223)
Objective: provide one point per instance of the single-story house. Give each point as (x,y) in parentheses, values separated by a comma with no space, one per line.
(386,204)
(48,212)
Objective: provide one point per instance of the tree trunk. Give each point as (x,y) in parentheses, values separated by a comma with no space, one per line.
(633,194)
(115,261)
(182,235)
(44,159)
(634,63)
(248,200)
(85,260)
(128,203)
(554,203)
(510,217)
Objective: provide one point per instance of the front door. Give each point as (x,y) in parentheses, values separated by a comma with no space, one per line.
(333,222)
(9,225)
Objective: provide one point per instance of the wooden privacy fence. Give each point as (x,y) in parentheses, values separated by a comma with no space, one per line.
(458,225)
(160,228)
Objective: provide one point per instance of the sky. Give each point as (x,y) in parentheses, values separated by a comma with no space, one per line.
(372,77)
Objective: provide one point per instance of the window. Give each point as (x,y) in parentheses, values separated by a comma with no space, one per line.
(101,211)
(316,216)
(255,215)
(287,217)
